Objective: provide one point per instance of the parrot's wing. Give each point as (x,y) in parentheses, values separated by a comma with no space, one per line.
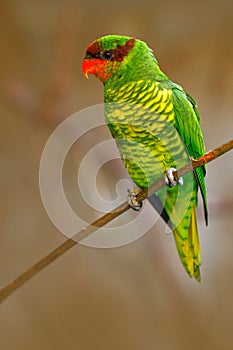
(200,172)
(187,121)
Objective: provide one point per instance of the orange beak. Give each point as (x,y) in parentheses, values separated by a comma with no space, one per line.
(85,69)
(89,66)
(96,67)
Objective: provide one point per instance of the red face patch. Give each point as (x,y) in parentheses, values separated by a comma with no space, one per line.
(101,63)
(98,67)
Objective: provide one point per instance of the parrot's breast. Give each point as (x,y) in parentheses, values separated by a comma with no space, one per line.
(140,117)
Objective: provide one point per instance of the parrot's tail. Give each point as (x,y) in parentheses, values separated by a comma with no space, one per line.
(189,248)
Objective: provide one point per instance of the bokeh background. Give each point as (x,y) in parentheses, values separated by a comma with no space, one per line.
(137,296)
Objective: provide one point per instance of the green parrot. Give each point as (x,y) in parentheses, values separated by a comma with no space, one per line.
(156,126)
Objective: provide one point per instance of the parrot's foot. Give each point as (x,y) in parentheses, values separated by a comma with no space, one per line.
(171,180)
(132,201)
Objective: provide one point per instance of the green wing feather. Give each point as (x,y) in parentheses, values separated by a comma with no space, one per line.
(188,125)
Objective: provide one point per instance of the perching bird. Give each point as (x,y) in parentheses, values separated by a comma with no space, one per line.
(156,126)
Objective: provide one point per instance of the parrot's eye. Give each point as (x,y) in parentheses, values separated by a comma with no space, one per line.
(106,55)
(103,55)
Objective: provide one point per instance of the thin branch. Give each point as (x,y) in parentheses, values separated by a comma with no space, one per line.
(60,250)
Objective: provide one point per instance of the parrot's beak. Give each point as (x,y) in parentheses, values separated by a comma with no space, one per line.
(85,68)
(96,67)
(86,75)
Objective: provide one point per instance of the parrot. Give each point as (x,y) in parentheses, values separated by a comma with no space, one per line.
(156,126)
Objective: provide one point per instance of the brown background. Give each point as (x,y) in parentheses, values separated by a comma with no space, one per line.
(137,296)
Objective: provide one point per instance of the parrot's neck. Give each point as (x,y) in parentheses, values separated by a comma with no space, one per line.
(142,66)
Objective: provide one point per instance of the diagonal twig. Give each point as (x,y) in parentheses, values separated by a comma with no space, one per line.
(143,194)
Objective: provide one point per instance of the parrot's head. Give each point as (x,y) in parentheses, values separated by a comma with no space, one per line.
(114,56)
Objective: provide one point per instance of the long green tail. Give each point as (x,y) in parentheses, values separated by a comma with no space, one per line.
(189,248)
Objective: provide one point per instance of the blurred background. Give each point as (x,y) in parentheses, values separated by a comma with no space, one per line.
(137,296)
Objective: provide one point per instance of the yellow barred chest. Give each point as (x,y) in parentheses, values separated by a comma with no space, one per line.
(150,95)
(140,117)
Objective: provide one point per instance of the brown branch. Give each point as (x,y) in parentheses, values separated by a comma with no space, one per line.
(60,250)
